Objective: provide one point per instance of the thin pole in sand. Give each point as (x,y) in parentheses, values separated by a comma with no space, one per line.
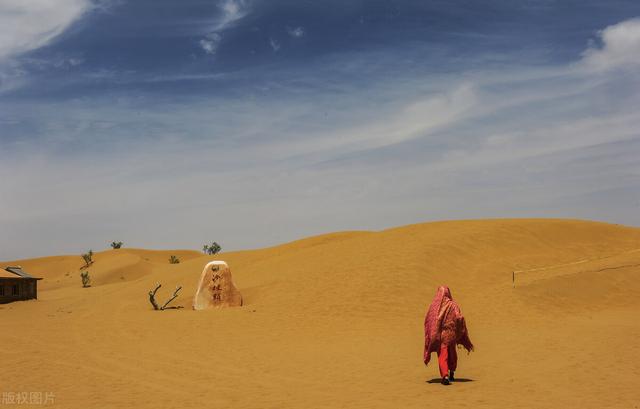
(513,278)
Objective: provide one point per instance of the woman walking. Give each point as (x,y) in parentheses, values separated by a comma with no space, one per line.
(444,328)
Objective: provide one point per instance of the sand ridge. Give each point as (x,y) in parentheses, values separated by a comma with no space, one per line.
(336,321)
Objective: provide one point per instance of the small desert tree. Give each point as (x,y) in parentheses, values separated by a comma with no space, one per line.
(88,258)
(116,245)
(213,248)
(86,280)
(174,260)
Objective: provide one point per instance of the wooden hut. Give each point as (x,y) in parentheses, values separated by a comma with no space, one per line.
(16,285)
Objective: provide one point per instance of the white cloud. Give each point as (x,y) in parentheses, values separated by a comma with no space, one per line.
(619,47)
(296,32)
(26,25)
(274,44)
(230,12)
(420,117)
(210,43)
(12,76)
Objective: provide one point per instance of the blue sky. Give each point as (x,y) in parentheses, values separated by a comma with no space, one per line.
(168,124)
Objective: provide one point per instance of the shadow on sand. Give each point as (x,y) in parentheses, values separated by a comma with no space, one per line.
(458,380)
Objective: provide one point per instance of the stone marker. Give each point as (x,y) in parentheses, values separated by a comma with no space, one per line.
(216,288)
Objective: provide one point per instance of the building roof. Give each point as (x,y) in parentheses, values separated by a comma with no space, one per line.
(13,271)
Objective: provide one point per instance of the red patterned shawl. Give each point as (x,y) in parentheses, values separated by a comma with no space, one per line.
(444,323)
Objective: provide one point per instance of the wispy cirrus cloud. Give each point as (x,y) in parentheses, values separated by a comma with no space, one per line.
(275,45)
(230,12)
(28,25)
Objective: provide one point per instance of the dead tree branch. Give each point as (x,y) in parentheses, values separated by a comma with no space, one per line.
(152,296)
(152,299)
(175,294)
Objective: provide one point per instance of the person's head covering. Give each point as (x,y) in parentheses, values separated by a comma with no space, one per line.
(443,310)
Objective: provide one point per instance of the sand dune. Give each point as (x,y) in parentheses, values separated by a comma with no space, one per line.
(336,321)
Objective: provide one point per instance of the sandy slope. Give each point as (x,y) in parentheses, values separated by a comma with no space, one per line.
(336,321)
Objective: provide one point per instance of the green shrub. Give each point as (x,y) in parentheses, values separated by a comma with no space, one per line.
(86,280)
(88,258)
(116,244)
(174,260)
(213,248)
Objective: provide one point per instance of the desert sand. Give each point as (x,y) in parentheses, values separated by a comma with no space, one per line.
(335,321)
